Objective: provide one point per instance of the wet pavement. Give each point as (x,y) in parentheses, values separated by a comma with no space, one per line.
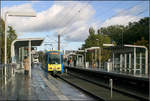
(41,86)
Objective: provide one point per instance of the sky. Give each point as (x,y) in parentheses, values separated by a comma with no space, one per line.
(70,19)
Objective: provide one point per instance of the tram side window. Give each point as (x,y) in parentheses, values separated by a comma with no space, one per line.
(46,59)
(43,60)
(62,59)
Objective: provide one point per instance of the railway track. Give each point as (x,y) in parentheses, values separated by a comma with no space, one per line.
(100,92)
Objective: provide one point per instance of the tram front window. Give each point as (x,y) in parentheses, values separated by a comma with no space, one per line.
(54,59)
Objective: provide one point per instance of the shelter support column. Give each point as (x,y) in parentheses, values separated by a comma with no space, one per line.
(95,58)
(146,61)
(30,58)
(140,63)
(77,61)
(130,68)
(99,57)
(113,61)
(82,60)
(85,60)
(120,62)
(22,48)
(92,60)
(134,60)
(125,62)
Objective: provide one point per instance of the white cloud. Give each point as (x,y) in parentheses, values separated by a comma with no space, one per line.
(124,16)
(132,11)
(73,17)
(120,20)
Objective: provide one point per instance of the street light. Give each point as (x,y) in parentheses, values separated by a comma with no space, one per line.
(17,14)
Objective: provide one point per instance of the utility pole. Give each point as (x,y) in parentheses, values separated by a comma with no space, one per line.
(58,41)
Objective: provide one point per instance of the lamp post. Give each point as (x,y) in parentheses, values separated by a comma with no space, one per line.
(122,37)
(17,14)
(99,64)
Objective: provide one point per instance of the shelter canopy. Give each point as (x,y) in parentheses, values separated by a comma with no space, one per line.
(25,42)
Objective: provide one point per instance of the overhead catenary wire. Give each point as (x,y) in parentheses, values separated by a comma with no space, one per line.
(61,19)
(126,9)
(115,15)
(102,15)
(76,15)
(73,17)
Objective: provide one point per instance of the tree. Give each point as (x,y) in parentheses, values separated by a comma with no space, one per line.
(95,40)
(10,37)
(91,31)
(2,41)
(142,42)
(136,30)
(129,34)
(115,32)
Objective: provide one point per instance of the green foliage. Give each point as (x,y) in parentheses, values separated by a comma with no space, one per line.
(127,34)
(95,40)
(134,33)
(10,37)
(142,42)
(2,33)
(136,30)
(116,33)
(91,31)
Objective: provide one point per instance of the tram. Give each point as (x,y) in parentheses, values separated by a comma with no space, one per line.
(53,62)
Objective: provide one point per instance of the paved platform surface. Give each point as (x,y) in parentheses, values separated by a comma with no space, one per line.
(41,86)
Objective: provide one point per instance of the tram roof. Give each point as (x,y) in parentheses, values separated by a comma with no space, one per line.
(24,42)
(51,51)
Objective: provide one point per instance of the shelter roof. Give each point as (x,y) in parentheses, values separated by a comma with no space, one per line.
(24,42)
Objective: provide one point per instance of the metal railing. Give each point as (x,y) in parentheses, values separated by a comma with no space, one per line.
(138,71)
(6,73)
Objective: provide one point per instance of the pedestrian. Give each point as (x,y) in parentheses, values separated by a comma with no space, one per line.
(70,62)
(75,62)
(26,65)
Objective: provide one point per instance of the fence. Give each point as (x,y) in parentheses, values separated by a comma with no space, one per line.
(6,73)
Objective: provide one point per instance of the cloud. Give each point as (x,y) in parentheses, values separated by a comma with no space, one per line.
(124,16)
(73,18)
(131,11)
(120,20)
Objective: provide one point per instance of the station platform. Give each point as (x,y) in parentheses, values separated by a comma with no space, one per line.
(112,73)
(126,83)
(41,86)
